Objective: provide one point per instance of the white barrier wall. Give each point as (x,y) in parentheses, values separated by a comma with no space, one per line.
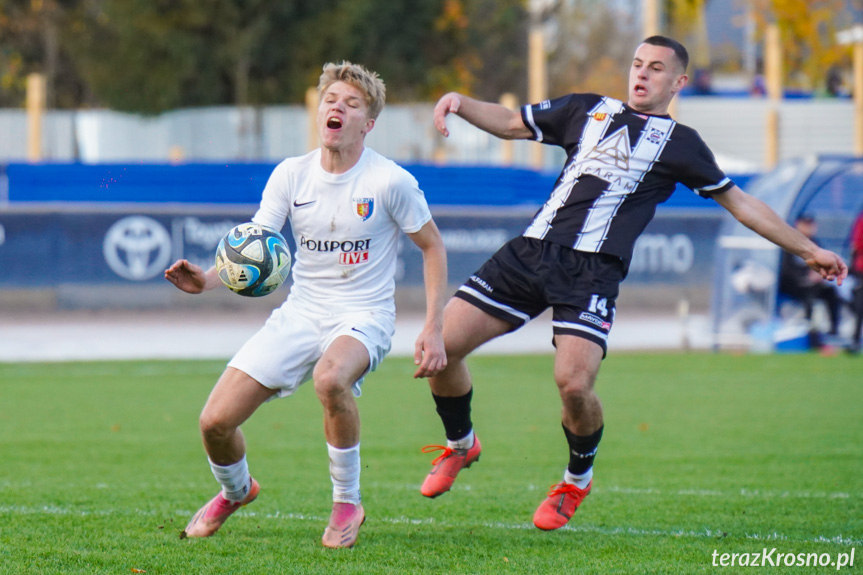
(733,127)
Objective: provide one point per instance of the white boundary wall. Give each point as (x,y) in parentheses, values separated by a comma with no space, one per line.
(733,127)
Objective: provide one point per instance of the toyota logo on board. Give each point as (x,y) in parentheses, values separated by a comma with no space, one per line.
(137,248)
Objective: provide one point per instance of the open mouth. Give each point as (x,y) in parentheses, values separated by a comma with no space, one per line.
(640,90)
(334,123)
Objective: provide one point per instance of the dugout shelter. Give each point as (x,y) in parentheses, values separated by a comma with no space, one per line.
(747,311)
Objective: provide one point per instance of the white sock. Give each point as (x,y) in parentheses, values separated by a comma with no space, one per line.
(345,473)
(234,479)
(465,442)
(580,481)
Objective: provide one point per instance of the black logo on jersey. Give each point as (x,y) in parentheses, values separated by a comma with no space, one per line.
(298,205)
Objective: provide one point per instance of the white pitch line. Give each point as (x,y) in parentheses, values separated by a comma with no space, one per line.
(677,533)
(641,491)
(749,493)
(688,492)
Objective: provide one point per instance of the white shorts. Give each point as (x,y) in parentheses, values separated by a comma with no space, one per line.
(283,353)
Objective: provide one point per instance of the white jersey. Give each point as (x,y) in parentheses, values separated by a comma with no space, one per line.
(346,227)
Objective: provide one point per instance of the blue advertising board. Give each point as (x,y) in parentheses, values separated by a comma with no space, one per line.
(242,183)
(93,224)
(49,247)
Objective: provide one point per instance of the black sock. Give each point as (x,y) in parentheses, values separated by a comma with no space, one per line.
(582,450)
(454,412)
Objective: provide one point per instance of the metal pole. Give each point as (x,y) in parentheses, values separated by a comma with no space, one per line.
(773,77)
(507,154)
(650,17)
(854,36)
(35,112)
(858,98)
(312,101)
(537,83)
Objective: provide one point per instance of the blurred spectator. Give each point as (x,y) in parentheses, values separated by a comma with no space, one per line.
(798,282)
(702,83)
(834,82)
(856,270)
(759,86)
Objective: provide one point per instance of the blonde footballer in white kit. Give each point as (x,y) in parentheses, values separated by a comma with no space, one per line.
(347,206)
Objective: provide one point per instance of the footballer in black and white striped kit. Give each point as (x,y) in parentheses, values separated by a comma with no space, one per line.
(621,164)
(623,159)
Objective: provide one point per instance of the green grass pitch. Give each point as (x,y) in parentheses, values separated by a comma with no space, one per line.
(102,466)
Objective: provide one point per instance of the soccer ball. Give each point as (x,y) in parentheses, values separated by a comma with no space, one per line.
(253,260)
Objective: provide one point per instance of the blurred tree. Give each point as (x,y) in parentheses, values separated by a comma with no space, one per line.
(808,30)
(686,22)
(16,51)
(591,44)
(142,56)
(149,56)
(497,37)
(404,42)
(30,33)
(424,49)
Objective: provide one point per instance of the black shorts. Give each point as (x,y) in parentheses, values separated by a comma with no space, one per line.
(527,276)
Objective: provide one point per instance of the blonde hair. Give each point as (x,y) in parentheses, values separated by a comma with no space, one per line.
(369,83)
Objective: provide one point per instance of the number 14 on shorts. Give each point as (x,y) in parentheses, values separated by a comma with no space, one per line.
(598,305)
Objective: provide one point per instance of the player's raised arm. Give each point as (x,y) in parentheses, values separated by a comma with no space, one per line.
(490,117)
(191,278)
(760,218)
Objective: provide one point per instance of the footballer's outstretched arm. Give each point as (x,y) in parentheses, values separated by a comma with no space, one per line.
(760,218)
(488,116)
(192,278)
(429,352)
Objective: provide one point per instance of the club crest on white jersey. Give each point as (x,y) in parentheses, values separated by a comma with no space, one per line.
(363,207)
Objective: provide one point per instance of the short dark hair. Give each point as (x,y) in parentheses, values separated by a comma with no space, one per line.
(666,42)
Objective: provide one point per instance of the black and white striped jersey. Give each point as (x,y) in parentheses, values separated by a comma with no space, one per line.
(621,164)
